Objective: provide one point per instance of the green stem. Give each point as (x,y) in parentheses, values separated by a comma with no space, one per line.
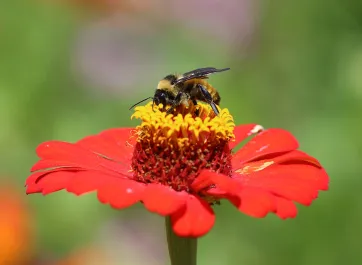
(182,250)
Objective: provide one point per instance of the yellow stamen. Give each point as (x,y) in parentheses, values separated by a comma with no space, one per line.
(184,127)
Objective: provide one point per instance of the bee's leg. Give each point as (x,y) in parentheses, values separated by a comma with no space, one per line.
(208,98)
(197,112)
(175,102)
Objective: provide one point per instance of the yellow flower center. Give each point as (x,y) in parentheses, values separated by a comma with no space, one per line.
(173,148)
(184,128)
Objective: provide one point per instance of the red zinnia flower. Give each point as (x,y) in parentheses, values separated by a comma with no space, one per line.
(180,165)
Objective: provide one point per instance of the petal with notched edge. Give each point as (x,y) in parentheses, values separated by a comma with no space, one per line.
(296,182)
(195,219)
(49,181)
(254,202)
(285,208)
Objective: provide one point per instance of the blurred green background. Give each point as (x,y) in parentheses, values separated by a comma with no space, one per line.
(70,69)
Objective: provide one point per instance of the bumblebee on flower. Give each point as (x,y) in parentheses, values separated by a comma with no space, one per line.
(180,164)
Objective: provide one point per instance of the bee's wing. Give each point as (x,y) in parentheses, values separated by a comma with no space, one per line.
(199,73)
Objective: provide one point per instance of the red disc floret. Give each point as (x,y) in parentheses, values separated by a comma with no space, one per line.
(178,168)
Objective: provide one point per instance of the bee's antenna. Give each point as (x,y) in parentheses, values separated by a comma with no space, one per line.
(140,102)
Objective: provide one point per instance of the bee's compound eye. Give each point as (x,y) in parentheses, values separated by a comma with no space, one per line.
(163,99)
(160,98)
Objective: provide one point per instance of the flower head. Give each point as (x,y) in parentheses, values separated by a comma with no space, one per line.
(172,150)
(180,164)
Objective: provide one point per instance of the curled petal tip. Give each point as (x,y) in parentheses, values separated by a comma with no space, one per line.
(257,128)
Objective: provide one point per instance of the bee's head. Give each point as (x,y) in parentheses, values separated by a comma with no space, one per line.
(163,94)
(161,97)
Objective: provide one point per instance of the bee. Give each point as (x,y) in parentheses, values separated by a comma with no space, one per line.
(175,89)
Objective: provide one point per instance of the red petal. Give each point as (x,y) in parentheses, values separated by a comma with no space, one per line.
(123,139)
(258,203)
(293,157)
(55,181)
(217,192)
(298,182)
(222,182)
(252,167)
(119,136)
(87,181)
(49,182)
(285,208)
(267,142)
(34,178)
(73,154)
(115,144)
(241,132)
(317,177)
(296,156)
(32,189)
(254,202)
(163,200)
(120,193)
(298,164)
(195,219)
(64,151)
(45,164)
